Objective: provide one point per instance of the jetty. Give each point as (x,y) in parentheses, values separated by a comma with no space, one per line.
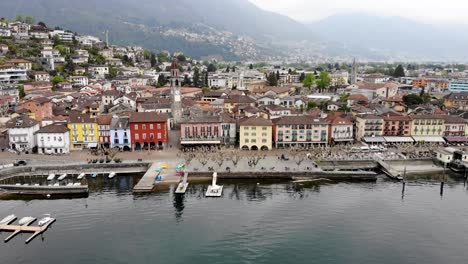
(146,183)
(182,187)
(16,229)
(44,190)
(214,190)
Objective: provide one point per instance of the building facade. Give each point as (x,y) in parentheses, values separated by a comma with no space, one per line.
(256,133)
(301,131)
(83,131)
(21,132)
(149,130)
(53,139)
(120,134)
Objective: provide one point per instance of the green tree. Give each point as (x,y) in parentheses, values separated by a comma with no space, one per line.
(302,77)
(309,80)
(277,75)
(323,81)
(196,77)
(272,80)
(311,105)
(57,79)
(399,72)
(412,99)
(161,80)
(21,92)
(181,58)
(233,68)
(147,54)
(186,81)
(57,41)
(205,81)
(228,69)
(153,60)
(112,72)
(19,18)
(251,66)
(211,68)
(162,57)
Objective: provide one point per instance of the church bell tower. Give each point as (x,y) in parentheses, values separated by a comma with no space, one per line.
(175,93)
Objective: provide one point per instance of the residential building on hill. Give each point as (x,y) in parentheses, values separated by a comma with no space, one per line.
(21,132)
(256,133)
(149,130)
(53,139)
(301,131)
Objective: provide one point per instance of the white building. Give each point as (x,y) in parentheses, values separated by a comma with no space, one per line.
(11,74)
(62,35)
(21,133)
(53,139)
(98,71)
(79,80)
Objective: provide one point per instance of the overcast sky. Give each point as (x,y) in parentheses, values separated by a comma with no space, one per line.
(428,11)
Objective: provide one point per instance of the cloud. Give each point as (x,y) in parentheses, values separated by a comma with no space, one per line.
(428,11)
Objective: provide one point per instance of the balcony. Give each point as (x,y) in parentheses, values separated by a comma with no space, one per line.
(200,141)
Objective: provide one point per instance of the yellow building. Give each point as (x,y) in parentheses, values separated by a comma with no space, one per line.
(83,131)
(428,128)
(256,133)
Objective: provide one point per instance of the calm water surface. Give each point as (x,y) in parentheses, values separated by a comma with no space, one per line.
(265,223)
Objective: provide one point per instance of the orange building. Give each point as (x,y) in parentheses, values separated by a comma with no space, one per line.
(41,106)
(419,83)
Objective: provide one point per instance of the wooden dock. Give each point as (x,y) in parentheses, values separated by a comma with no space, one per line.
(16,229)
(146,183)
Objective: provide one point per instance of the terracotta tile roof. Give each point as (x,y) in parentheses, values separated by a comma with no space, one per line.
(23,121)
(358,97)
(299,120)
(54,128)
(450,119)
(147,117)
(256,121)
(77,118)
(104,119)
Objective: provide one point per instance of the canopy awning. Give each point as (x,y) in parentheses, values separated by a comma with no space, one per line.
(92,145)
(429,139)
(373,139)
(456,139)
(399,139)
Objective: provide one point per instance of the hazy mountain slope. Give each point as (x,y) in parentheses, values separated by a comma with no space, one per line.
(394,36)
(145,22)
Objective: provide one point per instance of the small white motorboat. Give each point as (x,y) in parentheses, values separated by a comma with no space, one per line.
(70,184)
(26,184)
(56,184)
(45,220)
(62,177)
(7,219)
(18,184)
(111,175)
(81,176)
(77,184)
(26,220)
(37,184)
(51,177)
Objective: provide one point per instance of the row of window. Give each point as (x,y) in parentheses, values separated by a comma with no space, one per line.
(428,122)
(302,126)
(144,136)
(151,126)
(253,134)
(254,141)
(255,128)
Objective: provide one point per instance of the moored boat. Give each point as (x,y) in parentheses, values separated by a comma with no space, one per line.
(26,220)
(81,176)
(45,220)
(62,177)
(7,219)
(111,175)
(51,177)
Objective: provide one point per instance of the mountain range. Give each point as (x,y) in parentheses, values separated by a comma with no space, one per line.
(239,30)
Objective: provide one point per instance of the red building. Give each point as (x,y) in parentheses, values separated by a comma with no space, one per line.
(149,130)
(396,125)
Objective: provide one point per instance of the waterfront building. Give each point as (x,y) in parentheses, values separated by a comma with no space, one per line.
(457,100)
(341,128)
(201,131)
(53,139)
(455,126)
(83,131)
(21,131)
(396,125)
(301,131)
(369,128)
(40,106)
(120,134)
(428,128)
(104,123)
(458,86)
(149,130)
(256,133)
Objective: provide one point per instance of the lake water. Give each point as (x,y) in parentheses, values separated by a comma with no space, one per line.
(270,222)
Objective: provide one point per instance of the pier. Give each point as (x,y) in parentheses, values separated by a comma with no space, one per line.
(16,229)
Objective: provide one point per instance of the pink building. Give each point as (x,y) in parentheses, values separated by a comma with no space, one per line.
(201,132)
(301,131)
